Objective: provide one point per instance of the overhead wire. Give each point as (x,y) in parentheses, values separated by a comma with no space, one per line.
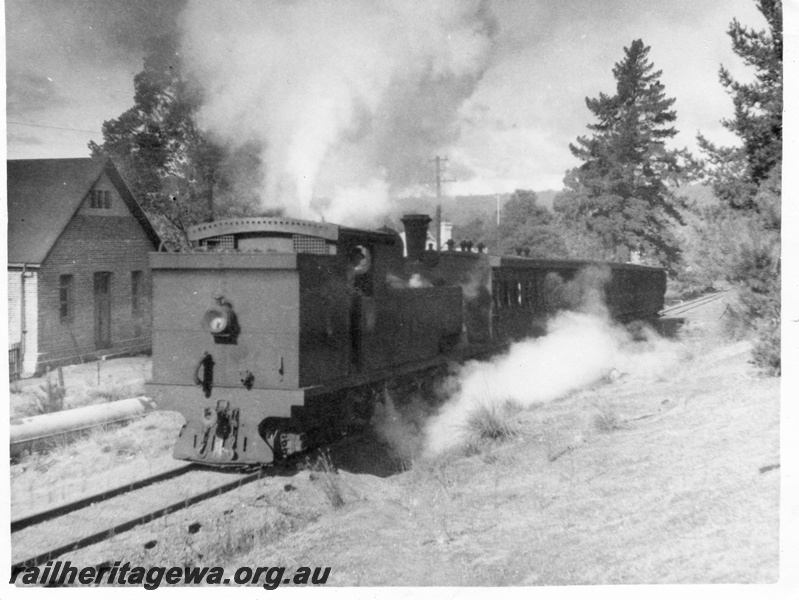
(52,127)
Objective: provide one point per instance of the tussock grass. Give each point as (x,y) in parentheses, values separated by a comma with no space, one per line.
(324,472)
(236,543)
(491,423)
(607,420)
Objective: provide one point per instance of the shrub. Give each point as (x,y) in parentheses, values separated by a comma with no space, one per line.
(756,273)
(766,353)
(49,398)
(742,247)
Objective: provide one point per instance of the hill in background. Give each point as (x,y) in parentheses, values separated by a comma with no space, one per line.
(460,210)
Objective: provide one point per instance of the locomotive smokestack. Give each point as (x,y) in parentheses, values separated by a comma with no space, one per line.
(415,235)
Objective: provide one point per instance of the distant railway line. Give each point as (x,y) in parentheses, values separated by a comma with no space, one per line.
(685,308)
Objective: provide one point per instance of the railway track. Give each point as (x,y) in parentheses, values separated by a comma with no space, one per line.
(64,509)
(691,305)
(99,517)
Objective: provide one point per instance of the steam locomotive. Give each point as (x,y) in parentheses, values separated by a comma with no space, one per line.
(273,334)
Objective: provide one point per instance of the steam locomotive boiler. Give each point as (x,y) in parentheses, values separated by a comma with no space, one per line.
(275,334)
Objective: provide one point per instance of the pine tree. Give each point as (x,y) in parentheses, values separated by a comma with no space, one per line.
(736,172)
(620,194)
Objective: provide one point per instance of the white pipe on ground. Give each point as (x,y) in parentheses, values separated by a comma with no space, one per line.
(27,432)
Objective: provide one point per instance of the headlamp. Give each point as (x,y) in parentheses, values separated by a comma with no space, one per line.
(221,322)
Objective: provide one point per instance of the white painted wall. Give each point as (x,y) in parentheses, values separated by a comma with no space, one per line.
(31,321)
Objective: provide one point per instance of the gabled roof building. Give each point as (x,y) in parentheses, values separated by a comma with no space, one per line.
(78,274)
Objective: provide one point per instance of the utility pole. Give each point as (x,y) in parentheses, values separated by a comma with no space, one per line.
(498,252)
(439,169)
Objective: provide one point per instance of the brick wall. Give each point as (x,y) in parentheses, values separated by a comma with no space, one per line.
(91,243)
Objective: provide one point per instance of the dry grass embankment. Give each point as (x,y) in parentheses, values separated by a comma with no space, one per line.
(651,478)
(636,480)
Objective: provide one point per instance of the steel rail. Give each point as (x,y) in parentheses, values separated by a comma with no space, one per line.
(691,304)
(110,532)
(65,509)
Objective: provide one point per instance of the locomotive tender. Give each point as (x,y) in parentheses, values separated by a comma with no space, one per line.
(274,333)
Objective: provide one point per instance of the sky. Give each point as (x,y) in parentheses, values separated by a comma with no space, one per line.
(516,74)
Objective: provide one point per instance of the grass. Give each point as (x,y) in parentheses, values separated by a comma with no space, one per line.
(80,385)
(607,420)
(49,398)
(675,497)
(325,473)
(101,458)
(489,424)
(656,479)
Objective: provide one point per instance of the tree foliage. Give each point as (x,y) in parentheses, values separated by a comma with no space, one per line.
(524,228)
(736,172)
(620,197)
(527,226)
(748,179)
(173,168)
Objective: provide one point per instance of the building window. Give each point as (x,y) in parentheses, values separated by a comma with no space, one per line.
(136,292)
(100,199)
(65,298)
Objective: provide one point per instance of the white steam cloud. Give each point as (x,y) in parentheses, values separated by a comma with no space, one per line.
(579,349)
(348,99)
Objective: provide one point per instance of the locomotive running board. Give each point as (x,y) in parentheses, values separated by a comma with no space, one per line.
(376,376)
